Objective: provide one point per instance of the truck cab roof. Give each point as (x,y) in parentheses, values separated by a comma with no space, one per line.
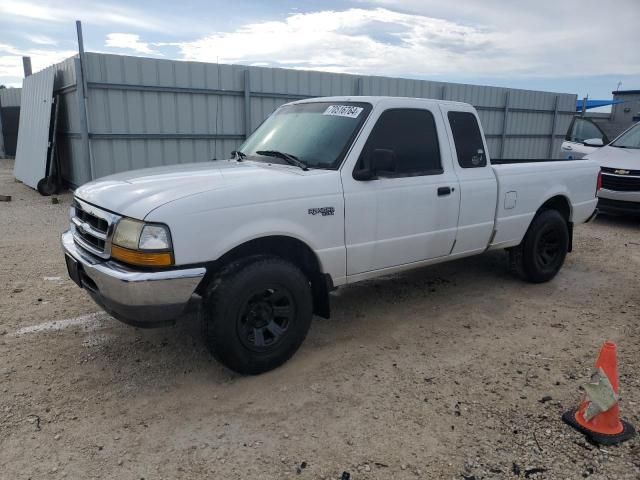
(377,100)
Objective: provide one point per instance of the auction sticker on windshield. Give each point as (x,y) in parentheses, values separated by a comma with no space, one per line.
(343,111)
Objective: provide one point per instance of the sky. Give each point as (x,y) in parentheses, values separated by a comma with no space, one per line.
(585,47)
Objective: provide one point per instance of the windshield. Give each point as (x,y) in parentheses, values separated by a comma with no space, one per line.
(629,139)
(318,134)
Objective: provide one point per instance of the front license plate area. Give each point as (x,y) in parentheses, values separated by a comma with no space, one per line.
(73,269)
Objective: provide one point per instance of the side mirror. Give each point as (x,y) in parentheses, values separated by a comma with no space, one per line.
(380,160)
(593,142)
(478,159)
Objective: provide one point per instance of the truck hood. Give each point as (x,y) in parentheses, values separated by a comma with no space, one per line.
(614,157)
(136,193)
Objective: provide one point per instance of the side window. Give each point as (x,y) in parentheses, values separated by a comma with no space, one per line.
(468,139)
(412,136)
(582,129)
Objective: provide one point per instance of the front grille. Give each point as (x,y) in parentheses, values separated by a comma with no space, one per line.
(99,224)
(633,173)
(95,242)
(92,228)
(620,183)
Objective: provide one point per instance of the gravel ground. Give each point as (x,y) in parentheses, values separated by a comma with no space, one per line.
(437,373)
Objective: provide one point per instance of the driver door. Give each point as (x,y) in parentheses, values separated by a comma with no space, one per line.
(407,215)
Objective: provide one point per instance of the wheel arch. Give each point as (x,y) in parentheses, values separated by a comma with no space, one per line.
(562,205)
(288,248)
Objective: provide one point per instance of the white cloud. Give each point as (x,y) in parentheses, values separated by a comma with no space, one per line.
(553,38)
(89,12)
(129,41)
(464,40)
(355,40)
(42,40)
(507,42)
(11,70)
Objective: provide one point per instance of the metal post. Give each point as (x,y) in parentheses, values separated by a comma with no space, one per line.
(358,86)
(82,111)
(444,92)
(82,58)
(247,103)
(81,94)
(26,65)
(584,105)
(553,126)
(1,134)
(505,122)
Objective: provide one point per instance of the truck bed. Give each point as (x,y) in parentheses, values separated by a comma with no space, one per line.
(523,185)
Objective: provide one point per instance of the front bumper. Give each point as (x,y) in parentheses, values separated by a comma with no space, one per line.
(618,207)
(140,298)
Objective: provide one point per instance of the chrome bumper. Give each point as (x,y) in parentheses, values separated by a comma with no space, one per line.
(136,297)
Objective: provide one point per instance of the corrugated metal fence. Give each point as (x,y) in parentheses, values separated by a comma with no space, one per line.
(131,112)
(35,117)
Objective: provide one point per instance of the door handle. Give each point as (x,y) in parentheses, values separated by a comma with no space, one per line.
(567,148)
(442,191)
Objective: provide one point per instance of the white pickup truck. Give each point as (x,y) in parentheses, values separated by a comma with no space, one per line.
(326,192)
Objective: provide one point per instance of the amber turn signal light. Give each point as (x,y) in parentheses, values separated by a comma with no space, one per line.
(144,259)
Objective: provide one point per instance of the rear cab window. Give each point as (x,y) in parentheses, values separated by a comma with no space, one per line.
(467,139)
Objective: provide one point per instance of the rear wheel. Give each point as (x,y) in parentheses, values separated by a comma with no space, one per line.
(257,314)
(542,252)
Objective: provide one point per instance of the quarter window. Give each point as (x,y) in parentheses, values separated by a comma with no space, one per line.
(467,139)
(412,136)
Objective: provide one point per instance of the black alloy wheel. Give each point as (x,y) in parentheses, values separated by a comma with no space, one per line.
(256,313)
(266,318)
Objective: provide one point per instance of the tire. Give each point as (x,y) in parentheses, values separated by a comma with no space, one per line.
(542,252)
(47,186)
(256,314)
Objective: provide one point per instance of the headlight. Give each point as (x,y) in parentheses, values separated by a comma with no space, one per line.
(128,233)
(140,243)
(154,237)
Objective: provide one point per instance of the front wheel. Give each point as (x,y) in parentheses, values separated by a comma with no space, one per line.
(542,252)
(256,314)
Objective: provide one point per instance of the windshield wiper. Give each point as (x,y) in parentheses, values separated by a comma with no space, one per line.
(238,155)
(287,157)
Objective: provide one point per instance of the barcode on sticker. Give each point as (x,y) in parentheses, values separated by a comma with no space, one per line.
(343,111)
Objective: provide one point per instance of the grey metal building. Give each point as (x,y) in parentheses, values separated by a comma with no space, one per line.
(119,113)
(628,111)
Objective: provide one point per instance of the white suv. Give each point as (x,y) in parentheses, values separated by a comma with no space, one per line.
(620,166)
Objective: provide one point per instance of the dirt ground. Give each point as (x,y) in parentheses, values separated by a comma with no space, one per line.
(438,373)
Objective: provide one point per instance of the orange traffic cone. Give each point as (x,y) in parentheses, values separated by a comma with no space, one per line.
(598,415)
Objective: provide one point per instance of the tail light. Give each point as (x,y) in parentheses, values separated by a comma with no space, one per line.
(599,183)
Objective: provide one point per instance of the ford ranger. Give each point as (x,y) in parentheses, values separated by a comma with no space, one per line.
(326,192)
